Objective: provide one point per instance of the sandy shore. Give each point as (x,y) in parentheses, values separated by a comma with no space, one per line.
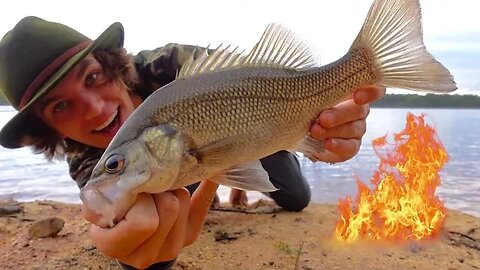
(260,240)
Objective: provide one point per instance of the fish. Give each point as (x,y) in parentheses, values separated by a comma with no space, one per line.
(227,109)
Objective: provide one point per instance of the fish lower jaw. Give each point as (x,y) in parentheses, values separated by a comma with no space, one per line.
(101,205)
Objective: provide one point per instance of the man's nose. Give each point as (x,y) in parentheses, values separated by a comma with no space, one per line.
(91,105)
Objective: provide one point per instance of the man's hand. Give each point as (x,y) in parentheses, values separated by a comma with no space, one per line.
(343,126)
(156,227)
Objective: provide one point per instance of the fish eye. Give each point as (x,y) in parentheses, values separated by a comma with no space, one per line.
(115,164)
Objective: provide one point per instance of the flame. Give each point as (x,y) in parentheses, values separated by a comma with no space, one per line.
(402,204)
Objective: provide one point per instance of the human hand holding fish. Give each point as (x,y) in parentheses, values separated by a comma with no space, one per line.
(343,126)
(156,227)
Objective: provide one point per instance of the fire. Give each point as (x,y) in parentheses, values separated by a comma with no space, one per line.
(402,204)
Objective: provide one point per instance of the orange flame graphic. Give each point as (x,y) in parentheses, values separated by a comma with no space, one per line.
(402,204)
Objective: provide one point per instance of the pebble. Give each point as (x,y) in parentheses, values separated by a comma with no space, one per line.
(221,236)
(6,210)
(48,227)
(89,247)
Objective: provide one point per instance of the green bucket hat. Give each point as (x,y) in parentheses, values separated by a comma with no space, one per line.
(34,56)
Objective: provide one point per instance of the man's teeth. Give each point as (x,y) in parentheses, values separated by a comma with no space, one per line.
(108,122)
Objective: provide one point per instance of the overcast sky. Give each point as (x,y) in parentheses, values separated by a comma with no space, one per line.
(451,28)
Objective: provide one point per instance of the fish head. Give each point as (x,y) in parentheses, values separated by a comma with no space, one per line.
(149,163)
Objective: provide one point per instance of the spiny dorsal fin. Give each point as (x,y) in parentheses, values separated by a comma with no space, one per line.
(220,58)
(278,48)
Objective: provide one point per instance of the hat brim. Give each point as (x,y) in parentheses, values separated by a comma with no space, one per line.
(18,131)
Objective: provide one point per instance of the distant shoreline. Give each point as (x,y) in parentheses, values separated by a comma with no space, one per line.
(412,101)
(428,101)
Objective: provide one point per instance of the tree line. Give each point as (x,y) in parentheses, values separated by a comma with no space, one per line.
(411,101)
(428,101)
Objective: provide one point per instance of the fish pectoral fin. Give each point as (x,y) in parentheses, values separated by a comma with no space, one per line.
(247,176)
(310,147)
(214,152)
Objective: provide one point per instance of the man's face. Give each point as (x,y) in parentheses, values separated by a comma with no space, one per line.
(86,106)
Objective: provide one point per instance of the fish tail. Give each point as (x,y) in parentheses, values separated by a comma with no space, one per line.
(392,36)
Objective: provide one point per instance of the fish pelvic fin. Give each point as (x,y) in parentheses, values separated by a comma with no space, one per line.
(247,176)
(392,35)
(277,48)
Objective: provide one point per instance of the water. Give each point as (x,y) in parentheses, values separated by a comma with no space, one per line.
(25,176)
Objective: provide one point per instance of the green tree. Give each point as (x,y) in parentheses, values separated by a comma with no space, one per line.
(428,101)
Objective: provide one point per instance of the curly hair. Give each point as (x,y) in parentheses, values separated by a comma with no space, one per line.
(119,67)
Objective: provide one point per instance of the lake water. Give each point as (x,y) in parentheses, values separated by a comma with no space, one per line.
(25,176)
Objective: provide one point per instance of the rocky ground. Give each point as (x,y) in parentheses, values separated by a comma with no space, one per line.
(261,238)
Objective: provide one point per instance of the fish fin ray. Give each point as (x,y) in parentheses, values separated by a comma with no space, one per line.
(277,48)
(309,147)
(247,176)
(392,33)
(220,58)
(280,48)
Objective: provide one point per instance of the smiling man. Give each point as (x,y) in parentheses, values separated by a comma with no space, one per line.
(87,106)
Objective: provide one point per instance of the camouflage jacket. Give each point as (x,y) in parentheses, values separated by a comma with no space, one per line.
(155,68)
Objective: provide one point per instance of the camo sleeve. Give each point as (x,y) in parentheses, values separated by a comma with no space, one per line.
(81,165)
(159,67)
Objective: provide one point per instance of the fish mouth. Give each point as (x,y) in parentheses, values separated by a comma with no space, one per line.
(108,201)
(97,202)
(110,124)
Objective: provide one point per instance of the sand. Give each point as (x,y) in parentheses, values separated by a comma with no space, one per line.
(259,240)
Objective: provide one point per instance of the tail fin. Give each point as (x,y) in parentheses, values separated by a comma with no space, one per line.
(392,32)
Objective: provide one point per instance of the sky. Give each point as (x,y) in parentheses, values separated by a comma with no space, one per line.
(451,28)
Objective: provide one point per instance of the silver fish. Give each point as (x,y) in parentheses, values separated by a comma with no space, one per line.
(226,110)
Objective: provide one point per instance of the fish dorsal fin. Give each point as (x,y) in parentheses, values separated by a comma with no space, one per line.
(220,58)
(278,48)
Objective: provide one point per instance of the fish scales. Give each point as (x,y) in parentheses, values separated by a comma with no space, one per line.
(264,101)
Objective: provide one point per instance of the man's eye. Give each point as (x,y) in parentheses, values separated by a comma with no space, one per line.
(60,106)
(95,78)
(91,78)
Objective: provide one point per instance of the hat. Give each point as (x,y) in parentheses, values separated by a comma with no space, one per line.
(34,56)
